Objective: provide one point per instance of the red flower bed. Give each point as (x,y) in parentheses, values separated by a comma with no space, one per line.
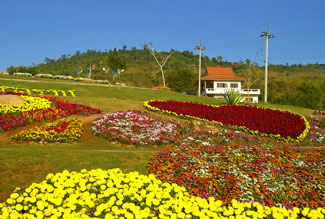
(253,119)
(71,108)
(61,127)
(60,109)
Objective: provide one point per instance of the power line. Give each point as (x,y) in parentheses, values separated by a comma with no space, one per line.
(295,57)
(259,50)
(233,44)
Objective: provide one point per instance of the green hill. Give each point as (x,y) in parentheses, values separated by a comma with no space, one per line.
(299,85)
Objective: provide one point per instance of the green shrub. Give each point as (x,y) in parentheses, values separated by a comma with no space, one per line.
(232,97)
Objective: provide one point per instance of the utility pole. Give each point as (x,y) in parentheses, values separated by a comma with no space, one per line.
(200,48)
(266,57)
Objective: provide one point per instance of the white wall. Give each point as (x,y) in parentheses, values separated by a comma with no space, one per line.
(223,90)
(228,85)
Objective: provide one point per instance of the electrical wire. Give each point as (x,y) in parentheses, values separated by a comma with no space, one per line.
(295,57)
(233,44)
(259,51)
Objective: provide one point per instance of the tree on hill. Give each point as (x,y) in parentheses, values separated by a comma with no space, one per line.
(163,60)
(30,69)
(182,80)
(115,63)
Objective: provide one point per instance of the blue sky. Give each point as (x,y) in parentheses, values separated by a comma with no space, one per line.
(34,29)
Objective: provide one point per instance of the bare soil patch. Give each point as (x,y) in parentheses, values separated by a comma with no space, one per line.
(11,99)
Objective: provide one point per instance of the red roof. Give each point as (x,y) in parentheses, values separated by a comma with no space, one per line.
(220,74)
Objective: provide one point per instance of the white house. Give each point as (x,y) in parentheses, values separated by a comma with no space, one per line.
(218,80)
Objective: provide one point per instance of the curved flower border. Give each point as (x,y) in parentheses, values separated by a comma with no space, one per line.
(234,127)
(37,91)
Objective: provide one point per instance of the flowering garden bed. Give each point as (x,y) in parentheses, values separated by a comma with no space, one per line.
(37,91)
(132,127)
(135,127)
(59,108)
(266,122)
(63,130)
(317,131)
(219,181)
(272,176)
(113,194)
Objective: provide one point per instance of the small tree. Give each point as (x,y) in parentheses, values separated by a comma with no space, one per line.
(181,80)
(251,75)
(163,60)
(115,63)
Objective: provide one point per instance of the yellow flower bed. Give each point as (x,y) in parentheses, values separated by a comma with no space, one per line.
(113,194)
(63,130)
(37,91)
(31,103)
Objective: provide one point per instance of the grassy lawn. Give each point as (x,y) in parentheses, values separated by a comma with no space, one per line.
(23,164)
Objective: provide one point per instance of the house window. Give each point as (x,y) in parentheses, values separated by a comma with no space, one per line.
(249,100)
(234,85)
(221,85)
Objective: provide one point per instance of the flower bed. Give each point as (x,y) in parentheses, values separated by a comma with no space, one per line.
(274,123)
(60,108)
(317,132)
(37,91)
(274,176)
(132,127)
(135,127)
(63,130)
(113,194)
(31,103)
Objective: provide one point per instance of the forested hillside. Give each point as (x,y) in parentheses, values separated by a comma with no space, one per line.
(299,85)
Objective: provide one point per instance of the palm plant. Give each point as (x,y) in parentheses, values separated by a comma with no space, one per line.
(232,97)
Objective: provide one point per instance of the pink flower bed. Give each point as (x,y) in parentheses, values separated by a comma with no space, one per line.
(132,127)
